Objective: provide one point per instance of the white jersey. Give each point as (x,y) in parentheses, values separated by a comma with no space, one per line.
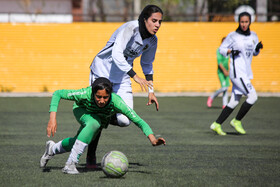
(116,58)
(240,66)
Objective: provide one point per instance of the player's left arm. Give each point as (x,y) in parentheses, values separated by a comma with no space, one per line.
(123,108)
(147,60)
(258,44)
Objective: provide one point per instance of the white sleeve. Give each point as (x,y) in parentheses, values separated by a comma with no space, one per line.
(226,45)
(121,41)
(147,60)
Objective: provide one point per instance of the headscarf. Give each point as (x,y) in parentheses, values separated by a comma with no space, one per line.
(145,14)
(239,30)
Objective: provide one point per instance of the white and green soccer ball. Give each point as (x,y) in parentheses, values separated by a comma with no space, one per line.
(114,164)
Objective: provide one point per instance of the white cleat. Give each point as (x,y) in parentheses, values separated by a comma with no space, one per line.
(70,169)
(48,154)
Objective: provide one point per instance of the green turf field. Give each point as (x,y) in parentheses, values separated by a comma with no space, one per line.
(193,156)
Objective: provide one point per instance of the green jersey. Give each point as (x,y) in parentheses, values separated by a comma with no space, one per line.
(83,98)
(222,60)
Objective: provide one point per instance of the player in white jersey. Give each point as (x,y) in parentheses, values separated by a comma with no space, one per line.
(115,62)
(242,45)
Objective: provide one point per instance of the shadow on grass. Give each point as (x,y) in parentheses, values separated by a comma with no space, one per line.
(235,133)
(82,168)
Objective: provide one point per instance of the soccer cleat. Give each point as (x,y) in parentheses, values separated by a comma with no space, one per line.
(48,153)
(209,102)
(238,126)
(70,168)
(91,163)
(216,127)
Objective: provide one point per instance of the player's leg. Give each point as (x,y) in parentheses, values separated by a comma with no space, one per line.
(60,147)
(222,80)
(226,84)
(252,97)
(234,100)
(124,90)
(225,97)
(91,153)
(90,127)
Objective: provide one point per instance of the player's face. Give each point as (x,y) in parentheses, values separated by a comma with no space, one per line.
(153,23)
(101,98)
(244,22)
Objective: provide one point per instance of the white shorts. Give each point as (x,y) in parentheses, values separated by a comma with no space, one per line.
(242,86)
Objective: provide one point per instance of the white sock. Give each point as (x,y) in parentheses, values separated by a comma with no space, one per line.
(76,151)
(57,148)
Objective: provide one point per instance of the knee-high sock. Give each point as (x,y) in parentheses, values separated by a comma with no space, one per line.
(224,114)
(243,110)
(91,154)
(77,150)
(58,148)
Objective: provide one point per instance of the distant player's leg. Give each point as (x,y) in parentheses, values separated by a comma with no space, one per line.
(223,88)
(234,100)
(250,91)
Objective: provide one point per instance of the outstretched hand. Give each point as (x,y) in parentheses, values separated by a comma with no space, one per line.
(152,99)
(156,142)
(144,84)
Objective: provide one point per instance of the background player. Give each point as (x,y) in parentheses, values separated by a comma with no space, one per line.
(242,45)
(223,75)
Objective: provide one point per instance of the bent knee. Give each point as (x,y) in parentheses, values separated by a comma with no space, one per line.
(123,121)
(232,104)
(252,98)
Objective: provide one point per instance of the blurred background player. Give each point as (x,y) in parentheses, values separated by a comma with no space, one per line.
(242,45)
(115,62)
(223,75)
(93,109)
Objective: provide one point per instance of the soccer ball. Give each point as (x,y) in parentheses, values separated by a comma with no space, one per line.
(114,164)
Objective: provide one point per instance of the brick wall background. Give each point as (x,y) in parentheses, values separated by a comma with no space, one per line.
(47,57)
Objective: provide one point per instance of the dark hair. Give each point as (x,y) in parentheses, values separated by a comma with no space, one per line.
(101,83)
(147,12)
(244,14)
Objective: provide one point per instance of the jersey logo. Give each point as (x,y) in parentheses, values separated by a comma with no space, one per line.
(249,85)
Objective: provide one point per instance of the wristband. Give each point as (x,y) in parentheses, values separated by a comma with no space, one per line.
(151,90)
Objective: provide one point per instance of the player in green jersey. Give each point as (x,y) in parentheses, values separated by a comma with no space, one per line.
(93,109)
(223,74)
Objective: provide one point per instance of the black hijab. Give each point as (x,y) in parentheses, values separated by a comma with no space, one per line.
(239,30)
(145,14)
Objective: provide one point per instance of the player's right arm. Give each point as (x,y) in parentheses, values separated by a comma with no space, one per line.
(52,124)
(227,45)
(74,95)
